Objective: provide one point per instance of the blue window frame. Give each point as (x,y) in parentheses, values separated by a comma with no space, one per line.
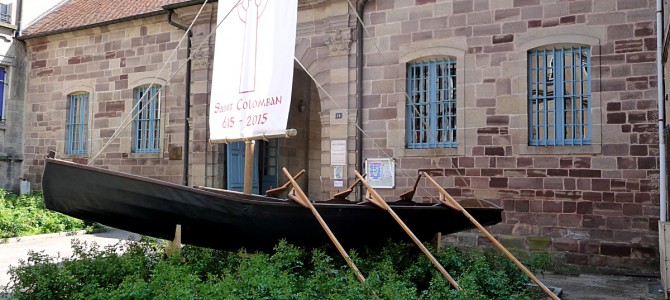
(431,106)
(147,122)
(76,141)
(2,93)
(559,96)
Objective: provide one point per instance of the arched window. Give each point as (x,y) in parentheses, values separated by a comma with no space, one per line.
(559,95)
(431,104)
(146,122)
(76,126)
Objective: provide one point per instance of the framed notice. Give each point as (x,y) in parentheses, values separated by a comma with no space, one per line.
(338,152)
(381,172)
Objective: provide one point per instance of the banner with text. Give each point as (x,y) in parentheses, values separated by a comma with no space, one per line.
(253,68)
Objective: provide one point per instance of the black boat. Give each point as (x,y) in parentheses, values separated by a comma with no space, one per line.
(224,219)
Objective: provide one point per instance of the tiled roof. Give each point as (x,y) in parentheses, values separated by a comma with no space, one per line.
(75,14)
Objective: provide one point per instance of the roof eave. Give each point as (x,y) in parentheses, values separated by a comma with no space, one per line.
(185,3)
(87,26)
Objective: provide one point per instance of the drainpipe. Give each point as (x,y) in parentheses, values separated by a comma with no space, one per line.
(19,12)
(187,96)
(359,93)
(661,109)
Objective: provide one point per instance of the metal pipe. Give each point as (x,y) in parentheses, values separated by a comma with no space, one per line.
(359,93)
(19,12)
(661,110)
(187,97)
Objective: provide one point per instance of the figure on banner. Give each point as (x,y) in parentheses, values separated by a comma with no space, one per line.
(250,12)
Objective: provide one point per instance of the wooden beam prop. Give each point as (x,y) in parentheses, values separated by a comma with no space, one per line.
(378,201)
(446,199)
(277,191)
(344,194)
(302,199)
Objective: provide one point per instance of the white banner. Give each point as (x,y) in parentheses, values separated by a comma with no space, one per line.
(253,68)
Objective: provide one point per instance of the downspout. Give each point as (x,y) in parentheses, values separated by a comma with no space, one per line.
(359,92)
(661,110)
(19,12)
(187,96)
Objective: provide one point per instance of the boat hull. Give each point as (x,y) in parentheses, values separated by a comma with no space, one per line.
(232,220)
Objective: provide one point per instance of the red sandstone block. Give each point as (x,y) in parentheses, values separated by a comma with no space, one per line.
(593,221)
(569,206)
(565,245)
(613,249)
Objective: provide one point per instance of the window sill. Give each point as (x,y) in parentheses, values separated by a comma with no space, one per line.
(560,150)
(8,26)
(430,152)
(145,155)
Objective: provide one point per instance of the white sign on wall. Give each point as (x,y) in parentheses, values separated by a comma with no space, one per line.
(338,152)
(381,172)
(253,68)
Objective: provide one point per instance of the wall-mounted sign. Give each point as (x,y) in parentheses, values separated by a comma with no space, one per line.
(338,152)
(381,172)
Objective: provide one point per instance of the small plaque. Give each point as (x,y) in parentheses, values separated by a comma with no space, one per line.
(338,183)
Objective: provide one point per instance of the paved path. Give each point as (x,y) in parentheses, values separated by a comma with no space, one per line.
(13,251)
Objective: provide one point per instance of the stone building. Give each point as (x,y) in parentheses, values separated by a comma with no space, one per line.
(546,108)
(11,96)
(12,84)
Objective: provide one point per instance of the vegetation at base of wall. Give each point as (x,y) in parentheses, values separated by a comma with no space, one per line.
(26,215)
(141,270)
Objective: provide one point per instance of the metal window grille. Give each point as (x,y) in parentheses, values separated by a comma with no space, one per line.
(6,13)
(431,106)
(146,131)
(559,96)
(77,124)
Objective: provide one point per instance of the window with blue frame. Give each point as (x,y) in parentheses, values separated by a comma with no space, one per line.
(76,127)
(146,122)
(2,92)
(431,104)
(559,96)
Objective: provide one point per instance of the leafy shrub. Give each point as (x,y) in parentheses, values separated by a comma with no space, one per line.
(141,270)
(26,215)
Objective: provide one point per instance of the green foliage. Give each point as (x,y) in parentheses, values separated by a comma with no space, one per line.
(26,215)
(141,270)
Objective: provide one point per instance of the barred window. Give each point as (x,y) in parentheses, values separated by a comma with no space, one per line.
(146,124)
(559,96)
(76,127)
(431,106)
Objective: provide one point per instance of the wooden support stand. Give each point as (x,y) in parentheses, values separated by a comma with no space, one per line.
(446,199)
(378,201)
(175,243)
(302,199)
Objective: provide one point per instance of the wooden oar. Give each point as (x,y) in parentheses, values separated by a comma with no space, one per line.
(378,201)
(302,199)
(451,202)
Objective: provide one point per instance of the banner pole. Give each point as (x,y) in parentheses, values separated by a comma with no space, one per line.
(248,166)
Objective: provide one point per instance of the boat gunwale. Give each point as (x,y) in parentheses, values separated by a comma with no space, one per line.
(248,198)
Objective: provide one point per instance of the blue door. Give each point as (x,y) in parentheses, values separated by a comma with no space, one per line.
(265,169)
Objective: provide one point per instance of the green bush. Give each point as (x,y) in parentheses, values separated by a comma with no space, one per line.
(141,270)
(26,215)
